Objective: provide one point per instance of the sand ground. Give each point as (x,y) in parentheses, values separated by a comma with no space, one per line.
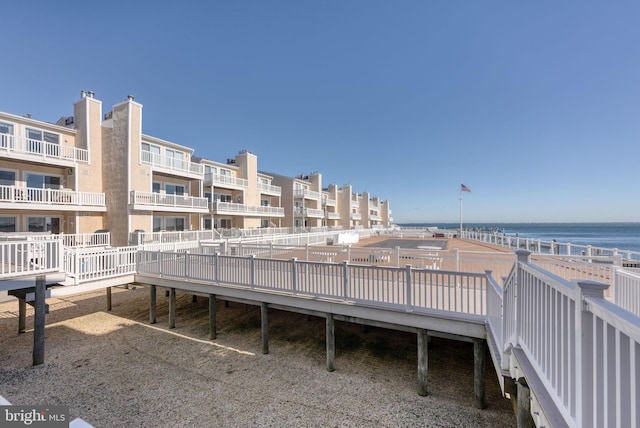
(114,369)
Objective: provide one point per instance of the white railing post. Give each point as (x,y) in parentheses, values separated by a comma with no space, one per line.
(397,256)
(252,270)
(294,275)
(408,286)
(186,265)
(524,257)
(216,266)
(584,350)
(345,279)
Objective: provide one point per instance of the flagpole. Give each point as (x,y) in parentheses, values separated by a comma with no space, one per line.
(460,189)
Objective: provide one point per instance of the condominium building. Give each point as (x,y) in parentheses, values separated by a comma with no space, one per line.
(97,171)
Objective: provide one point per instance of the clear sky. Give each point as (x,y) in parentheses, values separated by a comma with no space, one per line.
(534,105)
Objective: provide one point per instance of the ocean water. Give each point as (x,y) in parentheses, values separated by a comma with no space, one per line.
(623,236)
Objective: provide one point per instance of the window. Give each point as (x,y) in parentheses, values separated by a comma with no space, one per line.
(150,153)
(207,224)
(7,178)
(176,158)
(157,224)
(43,224)
(264,203)
(7,224)
(264,223)
(174,223)
(226,172)
(42,142)
(6,134)
(155,187)
(226,198)
(225,223)
(38,181)
(174,189)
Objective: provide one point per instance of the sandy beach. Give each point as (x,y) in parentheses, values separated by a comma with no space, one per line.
(114,369)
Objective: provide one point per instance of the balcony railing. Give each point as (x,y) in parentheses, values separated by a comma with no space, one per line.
(269,189)
(356,216)
(211,179)
(330,202)
(333,216)
(173,165)
(307,194)
(30,195)
(309,212)
(164,202)
(375,217)
(41,149)
(242,209)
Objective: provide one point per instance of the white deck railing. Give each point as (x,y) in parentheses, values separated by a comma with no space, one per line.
(152,199)
(30,195)
(269,189)
(307,194)
(85,264)
(30,257)
(42,149)
(416,290)
(171,164)
(100,239)
(143,238)
(583,349)
(243,209)
(549,247)
(211,179)
(626,292)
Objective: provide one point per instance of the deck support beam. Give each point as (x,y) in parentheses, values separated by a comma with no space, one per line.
(423,361)
(108,298)
(152,304)
(172,307)
(331,343)
(212,316)
(478,373)
(39,320)
(264,317)
(22,315)
(524,419)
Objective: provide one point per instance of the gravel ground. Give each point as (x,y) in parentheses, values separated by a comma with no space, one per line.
(114,369)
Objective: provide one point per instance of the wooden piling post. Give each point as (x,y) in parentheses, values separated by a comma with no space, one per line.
(194,298)
(152,304)
(212,316)
(478,373)
(331,343)
(108,298)
(523,417)
(22,315)
(264,315)
(172,307)
(423,361)
(39,320)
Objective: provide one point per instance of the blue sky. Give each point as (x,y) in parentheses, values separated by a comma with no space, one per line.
(534,105)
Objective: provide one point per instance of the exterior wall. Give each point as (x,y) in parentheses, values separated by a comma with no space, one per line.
(286,184)
(345,206)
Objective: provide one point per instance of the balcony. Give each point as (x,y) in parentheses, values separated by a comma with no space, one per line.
(268,189)
(330,202)
(306,194)
(355,203)
(308,212)
(40,151)
(148,201)
(374,217)
(13,197)
(171,165)
(333,216)
(229,208)
(356,216)
(226,181)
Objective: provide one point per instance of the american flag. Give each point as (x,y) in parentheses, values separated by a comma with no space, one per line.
(464,188)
